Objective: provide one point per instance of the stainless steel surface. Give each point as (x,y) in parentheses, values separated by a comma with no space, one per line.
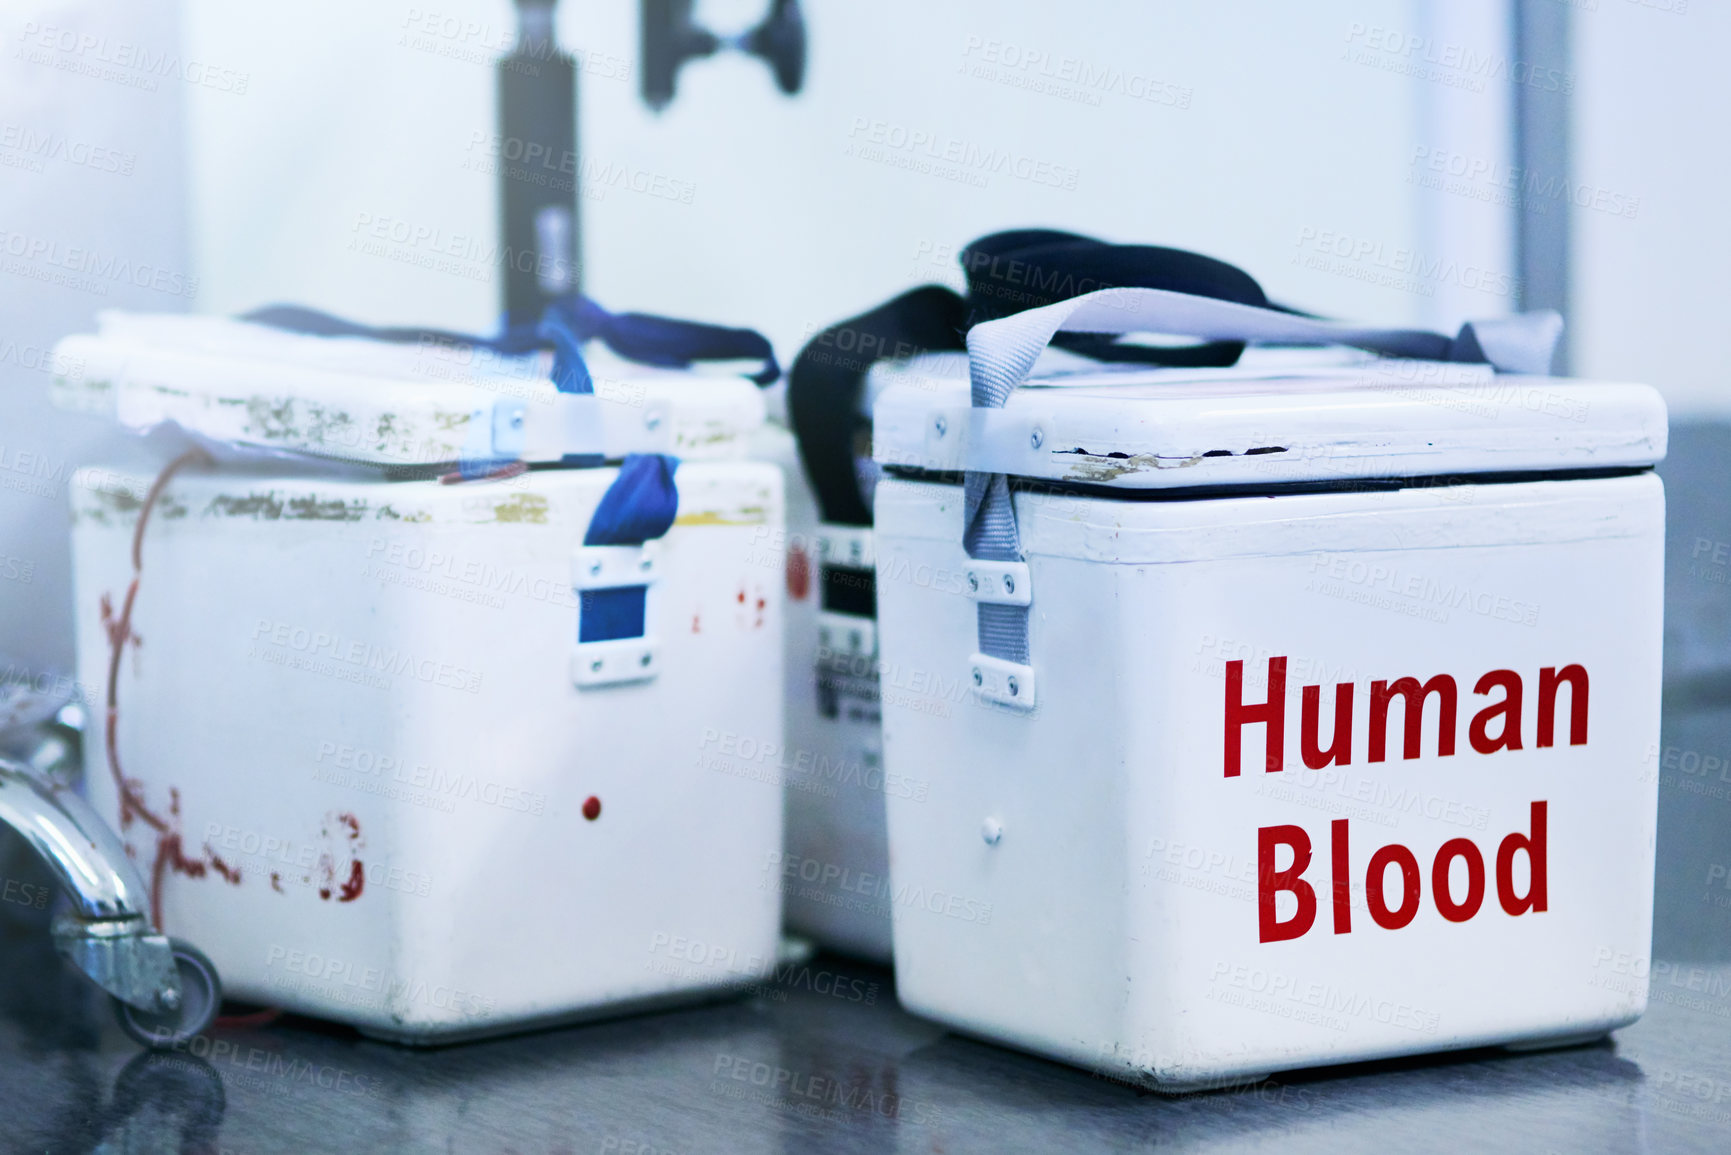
(793,1069)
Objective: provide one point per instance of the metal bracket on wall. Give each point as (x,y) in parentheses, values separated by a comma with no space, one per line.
(671,37)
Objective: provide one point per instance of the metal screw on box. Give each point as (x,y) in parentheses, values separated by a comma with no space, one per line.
(165,991)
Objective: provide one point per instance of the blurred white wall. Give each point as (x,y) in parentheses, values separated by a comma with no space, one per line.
(1352,154)
(1292,140)
(92,216)
(1652,246)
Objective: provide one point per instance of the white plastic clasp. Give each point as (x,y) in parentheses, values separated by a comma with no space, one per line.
(847,636)
(569,424)
(998,582)
(1006,683)
(595,567)
(849,545)
(610,663)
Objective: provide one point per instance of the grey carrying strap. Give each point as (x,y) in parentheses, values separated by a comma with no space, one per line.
(1001,353)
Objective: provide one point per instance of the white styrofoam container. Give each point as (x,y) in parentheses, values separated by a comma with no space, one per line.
(401,792)
(400,406)
(1090,880)
(835,866)
(832,869)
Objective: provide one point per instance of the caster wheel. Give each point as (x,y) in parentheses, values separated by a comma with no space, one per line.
(200,997)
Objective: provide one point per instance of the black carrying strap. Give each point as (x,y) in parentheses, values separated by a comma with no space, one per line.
(1007,272)
(824,385)
(1022,269)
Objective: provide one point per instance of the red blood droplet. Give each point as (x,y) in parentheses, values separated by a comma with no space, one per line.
(230,873)
(592,808)
(798,574)
(741,597)
(352,888)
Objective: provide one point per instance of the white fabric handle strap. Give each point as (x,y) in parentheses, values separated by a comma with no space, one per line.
(1001,353)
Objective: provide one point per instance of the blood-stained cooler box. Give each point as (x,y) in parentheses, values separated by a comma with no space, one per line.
(418,755)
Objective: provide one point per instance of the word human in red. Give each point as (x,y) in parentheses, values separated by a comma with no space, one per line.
(1502,715)
(1455,905)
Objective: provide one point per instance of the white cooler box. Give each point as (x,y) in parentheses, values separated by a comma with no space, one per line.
(404,784)
(1328,739)
(832,872)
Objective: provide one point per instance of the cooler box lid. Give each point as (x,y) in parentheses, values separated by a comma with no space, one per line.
(393,405)
(1279,416)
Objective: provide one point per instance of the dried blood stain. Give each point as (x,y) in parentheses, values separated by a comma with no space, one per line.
(351,889)
(592,808)
(170,852)
(357,880)
(798,574)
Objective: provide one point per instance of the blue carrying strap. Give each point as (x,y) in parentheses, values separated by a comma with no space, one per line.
(664,341)
(643,500)
(568,322)
(1002,352)
(640,505)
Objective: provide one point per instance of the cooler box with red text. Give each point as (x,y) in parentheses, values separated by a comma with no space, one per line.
(1322,731)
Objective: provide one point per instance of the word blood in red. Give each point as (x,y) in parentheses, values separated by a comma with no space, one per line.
(1454,904)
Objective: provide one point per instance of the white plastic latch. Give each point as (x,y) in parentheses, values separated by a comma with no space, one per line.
(1006,683)
(616,582)
(609,663)
(595,567)
(849,545)
(998,582)
(510,432)
(846,636)
(569,424)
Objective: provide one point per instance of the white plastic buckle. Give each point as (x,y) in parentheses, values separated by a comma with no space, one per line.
(570,424)
(846,636)
(999,582)
(599,567)
(849,545)
(596,567)
(1006,683)
(610,663)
